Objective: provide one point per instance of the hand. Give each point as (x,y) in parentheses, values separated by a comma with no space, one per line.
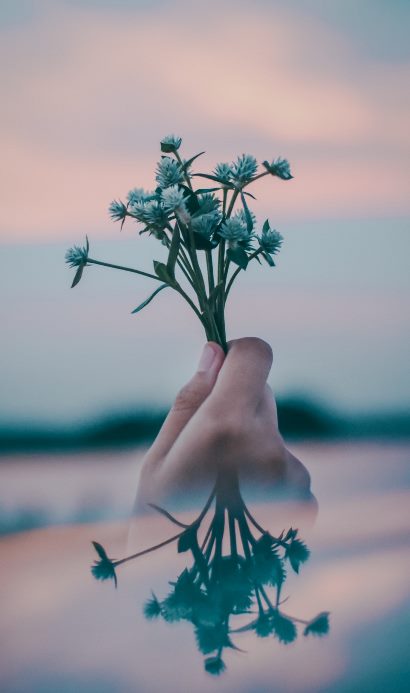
(224,418)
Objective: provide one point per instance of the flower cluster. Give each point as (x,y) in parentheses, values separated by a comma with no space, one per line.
(216,221)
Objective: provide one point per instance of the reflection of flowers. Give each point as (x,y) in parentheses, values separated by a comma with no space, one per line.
(104,569)
(222,585)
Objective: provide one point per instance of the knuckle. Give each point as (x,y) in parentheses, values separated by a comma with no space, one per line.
(192,394)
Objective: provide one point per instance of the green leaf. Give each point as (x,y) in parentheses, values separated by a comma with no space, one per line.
(203,243)
(250,195)
(238,256)
(188,163)
(78,276)
(266,226)
(187,539)
(208,176)
(248,217)
(268,259)
(149,299)
(192,200)
(162,272)
(319,625)
(173,251)
(201,191)
(100,550)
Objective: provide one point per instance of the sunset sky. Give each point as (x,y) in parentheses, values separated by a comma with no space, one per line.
(89,89)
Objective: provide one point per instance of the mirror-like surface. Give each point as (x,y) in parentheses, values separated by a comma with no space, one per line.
(62,631)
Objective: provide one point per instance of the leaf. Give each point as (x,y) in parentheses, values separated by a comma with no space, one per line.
(173,251)
(250,195)
(268,259)
(149,299)
(192,200)
(162,272)
(188,163)
(203,243)
(201,191)
(248,217)
(319,625)
(99,549)
(238,256)
(152,608)
(207,175)
(78,275)
(187,539)
(266,226)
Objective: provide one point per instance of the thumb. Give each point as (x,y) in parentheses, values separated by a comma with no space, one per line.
(189,399)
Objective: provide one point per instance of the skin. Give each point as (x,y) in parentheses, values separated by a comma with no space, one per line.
(224,417)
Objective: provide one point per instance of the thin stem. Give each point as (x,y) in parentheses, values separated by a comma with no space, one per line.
(186,176)
(121,267)
(252,519)
(210,268)
(152,548)
(232,202)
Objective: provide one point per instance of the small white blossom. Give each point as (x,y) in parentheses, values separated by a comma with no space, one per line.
(76,256)
(270,240)
(205,224)
(207,203)
(172,198)
(223,171)
(234,230)
(151,213)
(168,172)
(280,168)
(138,195)
(170,143)
(117,210)
(243,169)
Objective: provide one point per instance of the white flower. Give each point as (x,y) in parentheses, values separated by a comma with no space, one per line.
(270,240)
(77,255)
(117,210)
(243,169)
(207,203)
(172,198)
(168,172)
(223,171)
(138,195)
(205,224)
(170,143)
(280,168)
(151,213)
(234,230)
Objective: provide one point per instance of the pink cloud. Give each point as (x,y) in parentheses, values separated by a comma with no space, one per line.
(90,94)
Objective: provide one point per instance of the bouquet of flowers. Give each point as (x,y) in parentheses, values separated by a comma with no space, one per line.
(209,232)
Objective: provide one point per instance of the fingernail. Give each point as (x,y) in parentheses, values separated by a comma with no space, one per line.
(207,358)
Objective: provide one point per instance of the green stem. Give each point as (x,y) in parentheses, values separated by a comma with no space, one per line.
(121,267)
(209,264)
(186,176)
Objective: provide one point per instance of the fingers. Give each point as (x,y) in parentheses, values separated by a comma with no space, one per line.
(242,380)
(189,399)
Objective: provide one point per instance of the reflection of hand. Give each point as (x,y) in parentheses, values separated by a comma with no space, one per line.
(225,417)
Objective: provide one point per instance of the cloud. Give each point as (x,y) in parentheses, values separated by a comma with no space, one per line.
(89,93)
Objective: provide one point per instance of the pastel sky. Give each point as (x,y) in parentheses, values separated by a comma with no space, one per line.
(90,87)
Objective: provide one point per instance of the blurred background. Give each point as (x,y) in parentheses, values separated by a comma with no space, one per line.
(89,89)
